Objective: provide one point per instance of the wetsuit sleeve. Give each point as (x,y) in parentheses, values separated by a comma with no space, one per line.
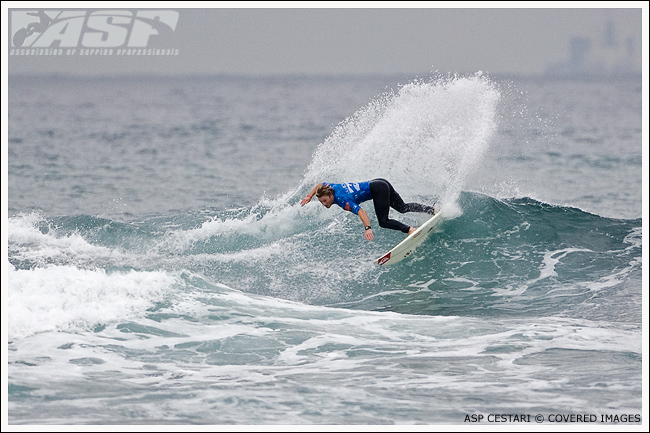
(352,207)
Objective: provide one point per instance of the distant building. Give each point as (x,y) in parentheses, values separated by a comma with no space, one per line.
(608,58)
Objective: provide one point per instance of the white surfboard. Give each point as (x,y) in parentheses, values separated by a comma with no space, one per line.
(408,245)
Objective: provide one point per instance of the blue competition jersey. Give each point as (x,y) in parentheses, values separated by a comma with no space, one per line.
(349,195)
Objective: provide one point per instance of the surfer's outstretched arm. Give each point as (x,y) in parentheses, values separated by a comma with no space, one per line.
(366,223)
(308,197)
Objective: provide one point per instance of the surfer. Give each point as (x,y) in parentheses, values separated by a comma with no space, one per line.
(380,191)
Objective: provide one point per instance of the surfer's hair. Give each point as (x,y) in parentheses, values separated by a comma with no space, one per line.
(324,190)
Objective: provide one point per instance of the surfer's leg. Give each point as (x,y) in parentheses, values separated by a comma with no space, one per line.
(381,198)
(417,207)
(398,204)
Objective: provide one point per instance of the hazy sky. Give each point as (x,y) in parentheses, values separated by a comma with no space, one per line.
(404,38)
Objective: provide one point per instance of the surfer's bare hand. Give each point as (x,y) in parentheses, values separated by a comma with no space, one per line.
(305,200)
(369,235)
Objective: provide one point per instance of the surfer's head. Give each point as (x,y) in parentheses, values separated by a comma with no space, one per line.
(325,194)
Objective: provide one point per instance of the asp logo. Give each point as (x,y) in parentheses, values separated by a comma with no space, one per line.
(89,29)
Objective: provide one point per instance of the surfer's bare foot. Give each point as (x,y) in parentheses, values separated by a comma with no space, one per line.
(411,230)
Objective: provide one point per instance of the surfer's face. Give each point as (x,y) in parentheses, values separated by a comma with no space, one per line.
(326,200)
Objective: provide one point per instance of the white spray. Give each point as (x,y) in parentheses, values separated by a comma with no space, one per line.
(426,139)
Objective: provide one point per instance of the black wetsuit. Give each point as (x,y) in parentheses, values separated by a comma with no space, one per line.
(384,197)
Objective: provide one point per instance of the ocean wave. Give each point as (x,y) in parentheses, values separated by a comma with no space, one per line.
(488,255)
(69,299)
